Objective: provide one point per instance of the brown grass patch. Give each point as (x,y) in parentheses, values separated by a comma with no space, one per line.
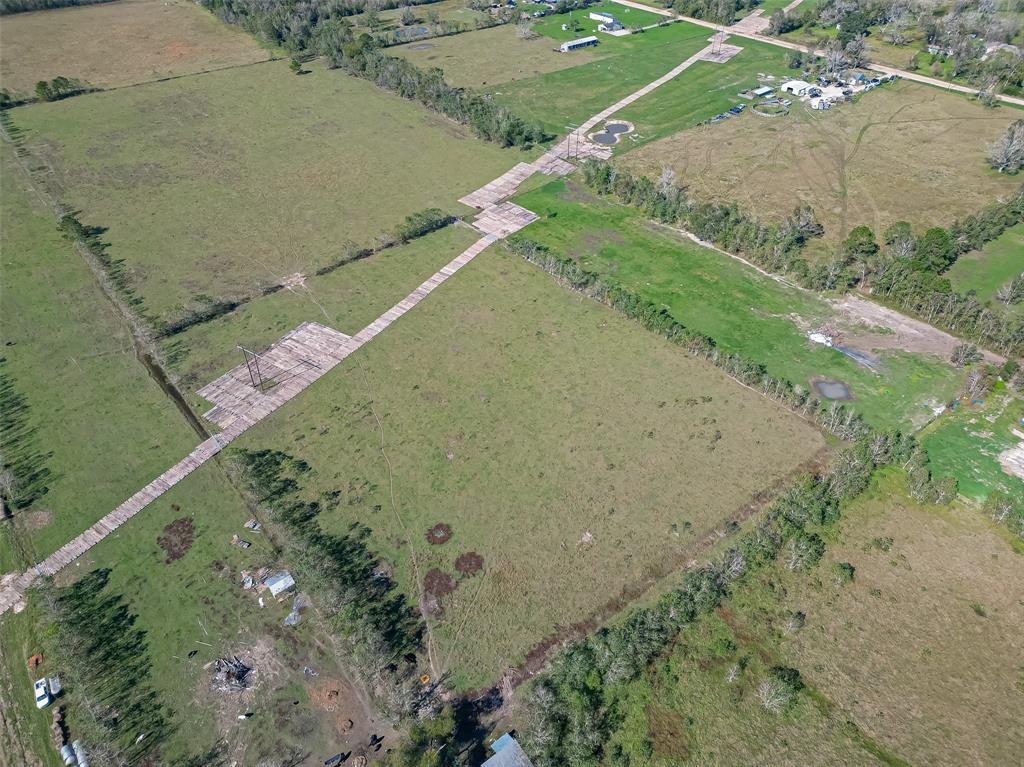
(119,43)
(469,564)
(177,538)
(668,733)
(843,162)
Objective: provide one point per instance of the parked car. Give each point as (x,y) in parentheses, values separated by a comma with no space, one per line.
(42,690)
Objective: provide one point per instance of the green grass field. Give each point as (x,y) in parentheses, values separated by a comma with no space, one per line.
(967,442)
(347,299)
(702,91)
(985,271)
(581,25)
(572,95)
(503,416)
(222,184)
(911,663)
(110,428)
(744,311)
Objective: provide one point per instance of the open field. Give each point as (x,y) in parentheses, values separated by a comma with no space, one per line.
(985,271)
(551,25)
(842,162)
(572,95)
(744,311)
(702,91)
(121,43)
(967,442)
(347,299)
(912,663)
(503,417)
(445,10)
(223,184)
(108,425)
(111,430)
(492,56)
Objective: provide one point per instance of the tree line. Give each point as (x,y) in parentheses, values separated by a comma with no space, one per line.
(720,11)
(319,27)
(955,43)
(908,271)
(358,599)
(24,6)
(105,665)
(573,709)
(24,474)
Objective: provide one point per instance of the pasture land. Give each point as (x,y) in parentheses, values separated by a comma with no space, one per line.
(108,430)
(445,10)
(702,91)
(911,663)
(121,43)
(348,299)
(966,444)
(581,25)
(579,456)
(221,185)
(490,57)
(108,425)
(842,162)
(985,271)
(572,95)
(743,310)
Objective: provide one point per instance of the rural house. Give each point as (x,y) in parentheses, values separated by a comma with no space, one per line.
(507,753)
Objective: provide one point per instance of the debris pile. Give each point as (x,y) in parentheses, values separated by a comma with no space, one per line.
(230,675)
(236,541)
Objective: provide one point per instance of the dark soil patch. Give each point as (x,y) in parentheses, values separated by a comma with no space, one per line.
(438,534)
(177,538)
(438,584)
(469,564)
(576,192)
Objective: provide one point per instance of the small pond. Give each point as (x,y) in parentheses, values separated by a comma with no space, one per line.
(833,390)
(610,134)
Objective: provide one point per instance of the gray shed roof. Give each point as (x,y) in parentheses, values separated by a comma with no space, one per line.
(510,754)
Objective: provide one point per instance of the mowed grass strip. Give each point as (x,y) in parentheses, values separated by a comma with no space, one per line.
(581,457)
(843,162)
(744,311)
(121,43)
(346,299)
(985,271)
(223,184)
(109,426)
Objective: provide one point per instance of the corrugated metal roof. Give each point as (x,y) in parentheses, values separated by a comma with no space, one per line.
(510,754)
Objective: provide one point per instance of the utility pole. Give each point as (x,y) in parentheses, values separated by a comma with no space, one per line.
(252,364)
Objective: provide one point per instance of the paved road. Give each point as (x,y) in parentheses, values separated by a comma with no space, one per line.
(804,49)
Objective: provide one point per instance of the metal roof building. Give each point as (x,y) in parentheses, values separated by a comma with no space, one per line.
(507,753)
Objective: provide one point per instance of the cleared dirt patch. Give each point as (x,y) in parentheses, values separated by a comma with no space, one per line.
(119,43)
(176,539)
(469,564)
(843,162)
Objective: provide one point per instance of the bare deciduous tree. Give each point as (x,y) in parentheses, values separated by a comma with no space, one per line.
(774,695)
(1006,154)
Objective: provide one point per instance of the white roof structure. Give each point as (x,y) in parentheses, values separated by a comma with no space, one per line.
(796,87)
(279,583)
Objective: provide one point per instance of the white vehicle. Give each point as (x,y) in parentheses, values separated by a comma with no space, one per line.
(42,689)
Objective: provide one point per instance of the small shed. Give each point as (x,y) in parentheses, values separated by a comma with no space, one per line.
(796,87)
(279,583)
(763,91)
(507,753)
